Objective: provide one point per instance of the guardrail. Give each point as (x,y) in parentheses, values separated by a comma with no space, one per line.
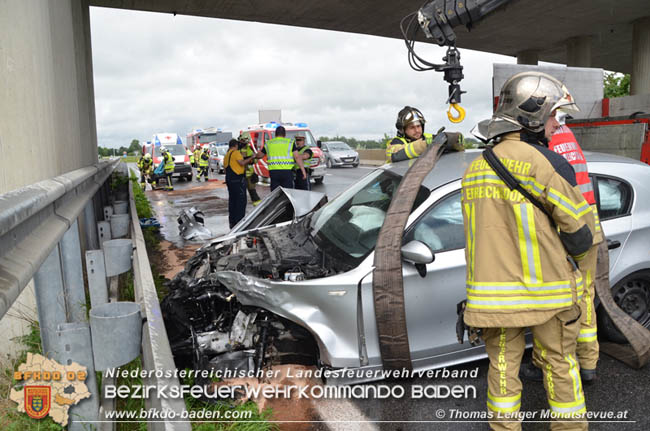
(156,351)
(33,219)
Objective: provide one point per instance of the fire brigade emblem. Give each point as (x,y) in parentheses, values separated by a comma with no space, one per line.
(37,401)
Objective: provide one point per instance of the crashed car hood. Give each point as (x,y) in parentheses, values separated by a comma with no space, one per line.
(302,201)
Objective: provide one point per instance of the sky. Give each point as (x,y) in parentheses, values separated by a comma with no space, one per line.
(162,73)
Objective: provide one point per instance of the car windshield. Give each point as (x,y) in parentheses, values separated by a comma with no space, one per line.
(206,138)
(175,150)
(348,226)
(338,146)
(222,150)
(309,139)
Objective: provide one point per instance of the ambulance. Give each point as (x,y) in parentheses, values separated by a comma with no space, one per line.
(173,142)
(260,133)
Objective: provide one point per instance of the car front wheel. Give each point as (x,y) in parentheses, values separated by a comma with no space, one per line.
(329,163)
(319,180)
(632,294)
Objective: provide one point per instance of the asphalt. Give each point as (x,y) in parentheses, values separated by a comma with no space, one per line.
(619,389)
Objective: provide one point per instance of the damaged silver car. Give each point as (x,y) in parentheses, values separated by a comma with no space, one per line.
(293,283)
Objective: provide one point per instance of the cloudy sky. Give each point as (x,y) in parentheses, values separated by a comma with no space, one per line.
(160,73)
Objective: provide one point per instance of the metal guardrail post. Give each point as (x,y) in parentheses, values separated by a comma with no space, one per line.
(96,271)
(73,281)
(90,226)
(74,345)
(50,300)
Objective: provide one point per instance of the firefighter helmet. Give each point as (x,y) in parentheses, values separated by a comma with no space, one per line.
(147,156)
(408,115)
(244,137)
(526,101)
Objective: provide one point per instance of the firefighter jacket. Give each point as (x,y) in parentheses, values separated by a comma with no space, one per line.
(204,159)
(197,155)
(564,143)
(145,165)
(248,152)
(279,153)
(168,159)
(402,148)
(518,272)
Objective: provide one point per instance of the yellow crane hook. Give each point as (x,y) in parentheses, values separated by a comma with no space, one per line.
(459,109)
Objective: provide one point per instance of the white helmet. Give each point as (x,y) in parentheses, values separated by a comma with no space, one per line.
(147,156)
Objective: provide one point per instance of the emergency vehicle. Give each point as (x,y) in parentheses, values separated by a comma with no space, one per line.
(260,133)
(207,136)
(173,142)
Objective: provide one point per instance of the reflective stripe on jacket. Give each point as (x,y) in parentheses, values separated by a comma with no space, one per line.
(203,160)
(518,273)
(248,152)
(279,154)
(410,148)
(169,162)
(307,163)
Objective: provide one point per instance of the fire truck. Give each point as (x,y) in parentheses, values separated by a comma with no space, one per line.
(206,136)
(260,133)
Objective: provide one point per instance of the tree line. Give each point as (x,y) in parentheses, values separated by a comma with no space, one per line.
(135,149)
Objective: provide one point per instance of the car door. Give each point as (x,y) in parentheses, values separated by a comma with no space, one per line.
(614,199)
(431,300)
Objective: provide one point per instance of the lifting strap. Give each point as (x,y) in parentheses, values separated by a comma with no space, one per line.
(387,283)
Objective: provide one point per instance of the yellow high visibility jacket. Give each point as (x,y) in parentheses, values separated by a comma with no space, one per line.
(204,158)
(518,273)
(169,162)
(279,153)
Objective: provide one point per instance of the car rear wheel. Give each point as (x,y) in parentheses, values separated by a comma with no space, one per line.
(632,294)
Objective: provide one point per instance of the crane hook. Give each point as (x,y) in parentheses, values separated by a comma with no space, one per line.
(459,109)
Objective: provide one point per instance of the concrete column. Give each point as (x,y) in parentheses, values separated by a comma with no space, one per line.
(578,51)
(50,300)
(640,76)
(529,56)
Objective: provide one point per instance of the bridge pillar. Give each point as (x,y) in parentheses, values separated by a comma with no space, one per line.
(578,51)
(527,57)
(640,76)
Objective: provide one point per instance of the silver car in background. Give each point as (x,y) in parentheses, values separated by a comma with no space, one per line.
(296,288)
(339,153)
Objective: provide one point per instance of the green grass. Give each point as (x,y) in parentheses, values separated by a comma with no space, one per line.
(142,205)
(10,418)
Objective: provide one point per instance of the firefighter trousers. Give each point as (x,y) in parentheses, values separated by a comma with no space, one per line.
(556,342)
(587,349)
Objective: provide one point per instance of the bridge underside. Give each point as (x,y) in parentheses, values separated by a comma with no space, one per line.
(544,28)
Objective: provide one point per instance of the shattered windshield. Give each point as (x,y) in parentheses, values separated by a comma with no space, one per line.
(350,223)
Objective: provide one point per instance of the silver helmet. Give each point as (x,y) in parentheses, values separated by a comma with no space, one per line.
(526,101)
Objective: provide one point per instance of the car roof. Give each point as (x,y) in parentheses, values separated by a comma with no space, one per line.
(451,166)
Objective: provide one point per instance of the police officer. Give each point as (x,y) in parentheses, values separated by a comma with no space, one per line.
(411,141)
(168,160)
(280,158)
(251,177)
(145,164)
(521,268)
(302,181)
(204,159)
(235,165)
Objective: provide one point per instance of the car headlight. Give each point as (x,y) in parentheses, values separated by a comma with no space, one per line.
(336,159)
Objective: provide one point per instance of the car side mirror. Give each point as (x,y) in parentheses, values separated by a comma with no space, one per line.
(417,252)
(318,144)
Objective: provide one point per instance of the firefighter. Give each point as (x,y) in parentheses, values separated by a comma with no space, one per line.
(168,160)
(280,157)
(204,159)
(302,181)
(145,164)
(251,177)
(532,279)
(411,141)
(197,156)
(235,167)
(191,154)
(565,143)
